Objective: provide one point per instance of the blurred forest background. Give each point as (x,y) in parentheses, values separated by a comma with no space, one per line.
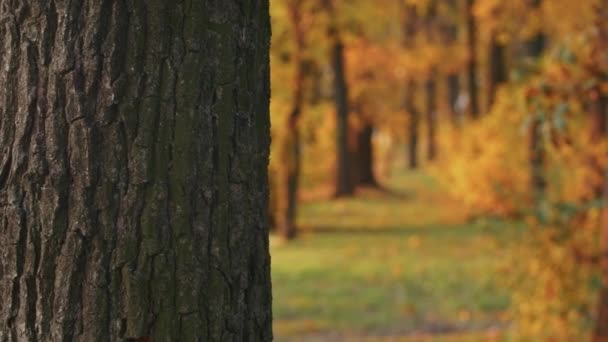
(439,169)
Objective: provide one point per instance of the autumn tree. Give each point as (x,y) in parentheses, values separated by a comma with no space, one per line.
(134,141)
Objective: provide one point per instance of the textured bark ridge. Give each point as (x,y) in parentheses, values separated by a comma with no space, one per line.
(134,143)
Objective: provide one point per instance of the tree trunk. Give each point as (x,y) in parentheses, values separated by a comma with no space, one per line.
(344,184)
(365,156)
(133,171)
(497,73)
(343,179)
(431,119)
(410,27)
(450,38)
(472,64)
(414,123)
(292,147)
(537,161)
(536,45)
(536,147)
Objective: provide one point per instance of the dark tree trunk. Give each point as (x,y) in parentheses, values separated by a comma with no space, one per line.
(344,184)
(450,37)
(343,179)
(410,27)
(536,147)
(538,182)
(133,171)
(431,119)
(497,73)
(292,154)
(472,64)
(365,156)
(430,86)
(414,124)
(536,45)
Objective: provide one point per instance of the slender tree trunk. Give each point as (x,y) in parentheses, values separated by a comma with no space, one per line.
(538,182)
(134,143)
(292,148)
(472,64)
(365,156)
(431,86)
(344,181)
(450,38)
(536,147)
(497,73)
(410,27)
(414,124)
(431,119)
(344,185)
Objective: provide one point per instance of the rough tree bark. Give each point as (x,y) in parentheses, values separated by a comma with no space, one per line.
(134,141)
(343,179)
(291,154)
(472,63)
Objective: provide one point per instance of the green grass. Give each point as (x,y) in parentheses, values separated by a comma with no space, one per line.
(386,264)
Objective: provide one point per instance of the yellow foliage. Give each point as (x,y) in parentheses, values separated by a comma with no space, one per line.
(553,298)
(486,167)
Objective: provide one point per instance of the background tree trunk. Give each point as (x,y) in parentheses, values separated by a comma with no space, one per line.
(431,119)
(472,65)
(344,180)
(292,147)
(365,156)
(534,50)
(450,38)
(414,124)
(410,27)
(344,185)
(497,73)
(134,143)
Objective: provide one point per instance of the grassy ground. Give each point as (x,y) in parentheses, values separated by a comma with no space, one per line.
(398,265)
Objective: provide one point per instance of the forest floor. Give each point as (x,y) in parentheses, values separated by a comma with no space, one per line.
(404,264)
